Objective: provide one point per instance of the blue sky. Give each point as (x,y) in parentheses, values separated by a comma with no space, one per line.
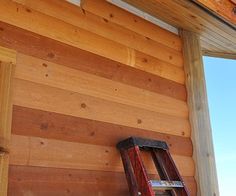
(221,89)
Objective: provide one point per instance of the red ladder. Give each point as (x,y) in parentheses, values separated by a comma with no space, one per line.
(170,182)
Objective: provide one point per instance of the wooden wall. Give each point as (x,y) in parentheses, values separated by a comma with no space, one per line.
(84,80)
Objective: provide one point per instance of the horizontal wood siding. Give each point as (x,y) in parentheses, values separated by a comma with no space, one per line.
(61,182)
(84,80)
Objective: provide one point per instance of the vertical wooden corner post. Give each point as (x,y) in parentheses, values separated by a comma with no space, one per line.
(201,135)
(7,61)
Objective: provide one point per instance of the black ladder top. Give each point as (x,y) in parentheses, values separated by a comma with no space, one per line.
(142,143)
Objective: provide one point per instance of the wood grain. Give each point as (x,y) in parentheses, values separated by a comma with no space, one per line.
(59,76)
(57,52)
(43,181)
(75,104)
(223,8)
(7,55)
(7,58)
(4,166)
(206,175)
(39,23)
(6,75)
(186,15)
(74,15)
(37,123)
(34,151)
(132,22)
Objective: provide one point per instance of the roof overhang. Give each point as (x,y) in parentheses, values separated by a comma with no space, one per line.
(216,27)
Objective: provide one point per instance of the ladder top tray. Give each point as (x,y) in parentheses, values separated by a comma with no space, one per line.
(142,143)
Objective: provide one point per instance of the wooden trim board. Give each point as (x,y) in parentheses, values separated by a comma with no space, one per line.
(7,58)
(201,135)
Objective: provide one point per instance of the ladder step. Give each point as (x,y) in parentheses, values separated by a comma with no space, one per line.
(162,184)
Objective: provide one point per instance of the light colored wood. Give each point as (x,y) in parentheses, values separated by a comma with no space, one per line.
(7,55)
(39,23)
(186,15)
(4,165)
(223,8)
(37,123)
(103,27)
(59,76)
(6,73)
(130,21)
(155,66)
(54,51)
(36,22)
(43,181)
(7,58)
(33,151)
(219,54)
(199,116)
(75,104)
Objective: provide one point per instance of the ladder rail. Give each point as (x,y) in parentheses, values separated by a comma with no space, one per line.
(170,183)
(129,173)
(140,173)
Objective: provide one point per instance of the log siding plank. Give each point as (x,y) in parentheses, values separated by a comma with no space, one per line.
(75,104)
(50,125)
(34,151)
(97,24)
(132,22)
(59,76)
(42,181)
(37,22)
(57,52)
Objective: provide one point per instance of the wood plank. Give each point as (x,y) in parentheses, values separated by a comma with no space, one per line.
(132,22)
(54,51)
(31,122)
(74,15)
(75,104)
(7,55)
(153,65)
(52,181)
(219,54)
(199,116)
(7,58)
(34,151)
(186,15)
(6,74)
(59,76)
(223,8)
(37,22)
(4,165)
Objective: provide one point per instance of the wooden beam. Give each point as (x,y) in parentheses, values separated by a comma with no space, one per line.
(203,151)
(188,15)
(219,54)
(7,59)
(224,9)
